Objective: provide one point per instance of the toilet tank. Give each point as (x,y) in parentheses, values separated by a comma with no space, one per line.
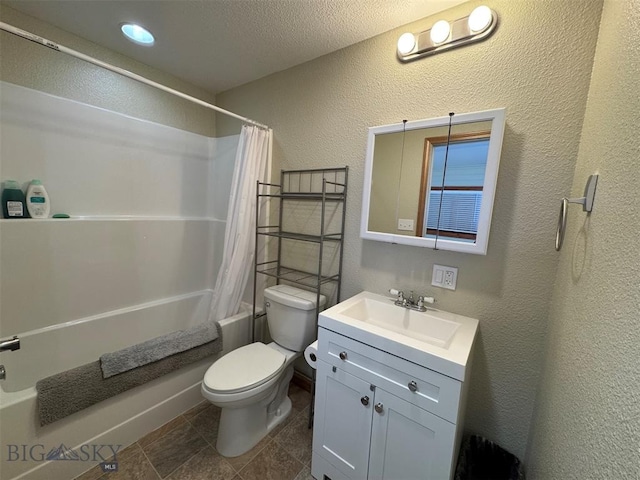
(291,316)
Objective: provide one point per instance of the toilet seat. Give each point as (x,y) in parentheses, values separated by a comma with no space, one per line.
(243,369)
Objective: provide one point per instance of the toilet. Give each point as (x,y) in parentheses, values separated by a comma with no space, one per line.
(250,384)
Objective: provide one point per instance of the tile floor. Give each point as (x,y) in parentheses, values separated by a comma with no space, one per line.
(184,449)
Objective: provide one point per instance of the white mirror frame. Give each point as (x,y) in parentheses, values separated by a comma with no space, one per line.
(497,118)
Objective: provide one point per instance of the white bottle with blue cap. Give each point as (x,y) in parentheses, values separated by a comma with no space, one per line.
(37,200)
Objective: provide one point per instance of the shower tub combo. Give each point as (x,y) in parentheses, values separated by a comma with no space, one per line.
(119,420)
(127,267)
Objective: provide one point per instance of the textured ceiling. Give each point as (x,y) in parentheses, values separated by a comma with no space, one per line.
(220,44)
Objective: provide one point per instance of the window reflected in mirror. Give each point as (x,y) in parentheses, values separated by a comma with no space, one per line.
(449,205)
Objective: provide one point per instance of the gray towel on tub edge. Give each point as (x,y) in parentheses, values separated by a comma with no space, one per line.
(157,348)
(69,392)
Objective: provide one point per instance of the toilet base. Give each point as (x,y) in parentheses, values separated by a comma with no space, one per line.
(242,428)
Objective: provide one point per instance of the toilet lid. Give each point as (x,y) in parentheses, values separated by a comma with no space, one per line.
(244,368)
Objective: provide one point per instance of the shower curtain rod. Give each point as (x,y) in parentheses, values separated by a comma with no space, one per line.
(61,48)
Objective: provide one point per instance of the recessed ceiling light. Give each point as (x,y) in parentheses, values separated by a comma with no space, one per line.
(137,34)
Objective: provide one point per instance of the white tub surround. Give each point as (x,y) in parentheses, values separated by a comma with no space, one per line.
(136,260)
(98,163)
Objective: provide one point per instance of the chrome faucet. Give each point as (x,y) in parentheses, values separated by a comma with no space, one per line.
(410,303)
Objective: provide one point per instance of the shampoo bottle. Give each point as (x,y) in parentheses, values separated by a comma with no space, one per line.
(37,200)
(13,201)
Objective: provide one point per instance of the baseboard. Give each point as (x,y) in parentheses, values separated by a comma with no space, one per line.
(302,381)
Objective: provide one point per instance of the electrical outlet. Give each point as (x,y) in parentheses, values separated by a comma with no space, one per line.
(444,277)
(405,224)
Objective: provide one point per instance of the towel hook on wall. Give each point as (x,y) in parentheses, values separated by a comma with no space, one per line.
(587,206)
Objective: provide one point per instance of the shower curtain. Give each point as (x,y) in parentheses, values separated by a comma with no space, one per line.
(239,241)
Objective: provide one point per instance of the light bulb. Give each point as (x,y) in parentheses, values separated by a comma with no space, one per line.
(406,43)
(480,19)
(137,34)
(440,31)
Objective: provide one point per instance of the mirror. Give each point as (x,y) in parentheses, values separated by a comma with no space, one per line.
(431,184)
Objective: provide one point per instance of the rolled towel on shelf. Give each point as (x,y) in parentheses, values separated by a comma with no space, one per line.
(157,348)
(69,392)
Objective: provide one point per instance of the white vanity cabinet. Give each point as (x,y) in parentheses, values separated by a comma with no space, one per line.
(342,421)
(379,416)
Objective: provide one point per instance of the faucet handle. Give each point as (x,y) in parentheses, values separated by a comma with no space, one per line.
(397,293)
(422,300)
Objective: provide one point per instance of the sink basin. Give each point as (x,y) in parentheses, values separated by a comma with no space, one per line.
(419,325)
(434,339)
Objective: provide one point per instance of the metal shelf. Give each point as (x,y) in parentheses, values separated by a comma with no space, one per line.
(321,185)
(329,197)
(328,237)
(300,277)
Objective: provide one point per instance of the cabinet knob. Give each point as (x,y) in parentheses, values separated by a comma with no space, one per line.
(343,355)
(364,400)
(379,407)
(413,386)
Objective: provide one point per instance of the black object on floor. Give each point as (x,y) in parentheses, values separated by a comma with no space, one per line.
(481,459)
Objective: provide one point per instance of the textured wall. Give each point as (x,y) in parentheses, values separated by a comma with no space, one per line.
(537,65)
(587,421)
(31,65)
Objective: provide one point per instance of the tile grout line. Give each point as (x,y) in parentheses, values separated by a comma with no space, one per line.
(160,438)
(207,444)
(253,458)
(303,467)
(183,463)
(104,475)
(236,470)
(165,433)
(148,460)
(238,475)
(183,415)
(291,425)
(205,438)
(87,471)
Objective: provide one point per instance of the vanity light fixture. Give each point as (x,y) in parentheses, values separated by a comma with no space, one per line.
(440,32)
(480,19)
(406,43)
(443,35)
(137,34)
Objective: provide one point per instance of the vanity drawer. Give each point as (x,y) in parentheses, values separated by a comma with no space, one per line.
(420,386)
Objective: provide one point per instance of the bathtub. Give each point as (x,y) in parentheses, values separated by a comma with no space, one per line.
(120,420)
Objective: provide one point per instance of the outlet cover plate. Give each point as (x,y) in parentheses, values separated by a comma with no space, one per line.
(444,277)
(405,224)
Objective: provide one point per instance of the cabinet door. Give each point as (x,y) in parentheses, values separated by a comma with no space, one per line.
(342,426)
(409,443)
